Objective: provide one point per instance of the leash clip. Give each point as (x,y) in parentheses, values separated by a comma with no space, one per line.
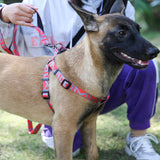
(50,45)
(59,47)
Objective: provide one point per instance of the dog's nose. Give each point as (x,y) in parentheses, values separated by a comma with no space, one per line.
(153,52)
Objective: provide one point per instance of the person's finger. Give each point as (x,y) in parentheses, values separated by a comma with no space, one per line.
(27,9)
(22,23)
(25,19)
(33,7)
(24,14)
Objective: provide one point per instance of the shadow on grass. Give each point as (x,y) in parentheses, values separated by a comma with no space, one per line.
(108,155)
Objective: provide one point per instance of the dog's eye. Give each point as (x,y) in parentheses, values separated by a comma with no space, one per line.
(122,33)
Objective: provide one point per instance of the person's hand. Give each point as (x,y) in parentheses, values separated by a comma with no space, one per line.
(18,13)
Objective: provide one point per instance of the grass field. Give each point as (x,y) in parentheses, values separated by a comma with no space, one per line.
(17,144)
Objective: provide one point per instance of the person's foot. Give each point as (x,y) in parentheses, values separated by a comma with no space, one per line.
(48,140)
(141,147)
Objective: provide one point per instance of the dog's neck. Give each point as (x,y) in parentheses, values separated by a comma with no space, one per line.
(84,66)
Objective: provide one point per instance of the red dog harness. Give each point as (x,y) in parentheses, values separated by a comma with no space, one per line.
(51,66)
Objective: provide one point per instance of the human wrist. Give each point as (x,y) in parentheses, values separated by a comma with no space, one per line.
(3,16)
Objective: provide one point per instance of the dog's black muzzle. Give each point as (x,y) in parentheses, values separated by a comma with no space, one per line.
(149,51)
(152,52)
(136,54)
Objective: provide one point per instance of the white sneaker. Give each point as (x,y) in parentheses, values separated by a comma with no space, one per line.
(76,153)
(49,141)
(141,147)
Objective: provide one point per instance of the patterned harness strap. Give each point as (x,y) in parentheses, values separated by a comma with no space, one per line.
(51,66)
(14,50)
(44,40)
(58,49)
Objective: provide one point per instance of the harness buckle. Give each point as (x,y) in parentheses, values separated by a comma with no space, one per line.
(66,84)
(45,95)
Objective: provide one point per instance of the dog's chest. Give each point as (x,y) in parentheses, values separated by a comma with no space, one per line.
(90,110)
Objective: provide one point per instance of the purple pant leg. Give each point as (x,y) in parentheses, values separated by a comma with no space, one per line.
(47,130)
(138,88)
(77,143)
(141,98)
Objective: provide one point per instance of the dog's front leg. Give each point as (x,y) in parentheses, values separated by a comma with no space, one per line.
(88,131)
(64,133)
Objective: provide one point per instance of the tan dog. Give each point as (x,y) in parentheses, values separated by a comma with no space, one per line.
(92,65)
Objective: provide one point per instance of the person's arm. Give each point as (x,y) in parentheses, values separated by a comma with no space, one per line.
(17,13)
(6,32)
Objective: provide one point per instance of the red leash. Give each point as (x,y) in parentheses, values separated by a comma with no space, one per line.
(30,127)
(15,51)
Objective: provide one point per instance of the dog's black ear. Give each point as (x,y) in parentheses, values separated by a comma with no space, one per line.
(89,21)
(118,7)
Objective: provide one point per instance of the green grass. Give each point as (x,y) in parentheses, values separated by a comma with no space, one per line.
(17,144)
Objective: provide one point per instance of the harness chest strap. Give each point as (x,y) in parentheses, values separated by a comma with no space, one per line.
(64,83)
(51,66)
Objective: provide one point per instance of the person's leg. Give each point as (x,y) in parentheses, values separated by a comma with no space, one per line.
(141,97)
(139,89)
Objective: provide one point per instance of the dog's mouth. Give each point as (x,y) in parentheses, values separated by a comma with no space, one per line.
(136,63)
